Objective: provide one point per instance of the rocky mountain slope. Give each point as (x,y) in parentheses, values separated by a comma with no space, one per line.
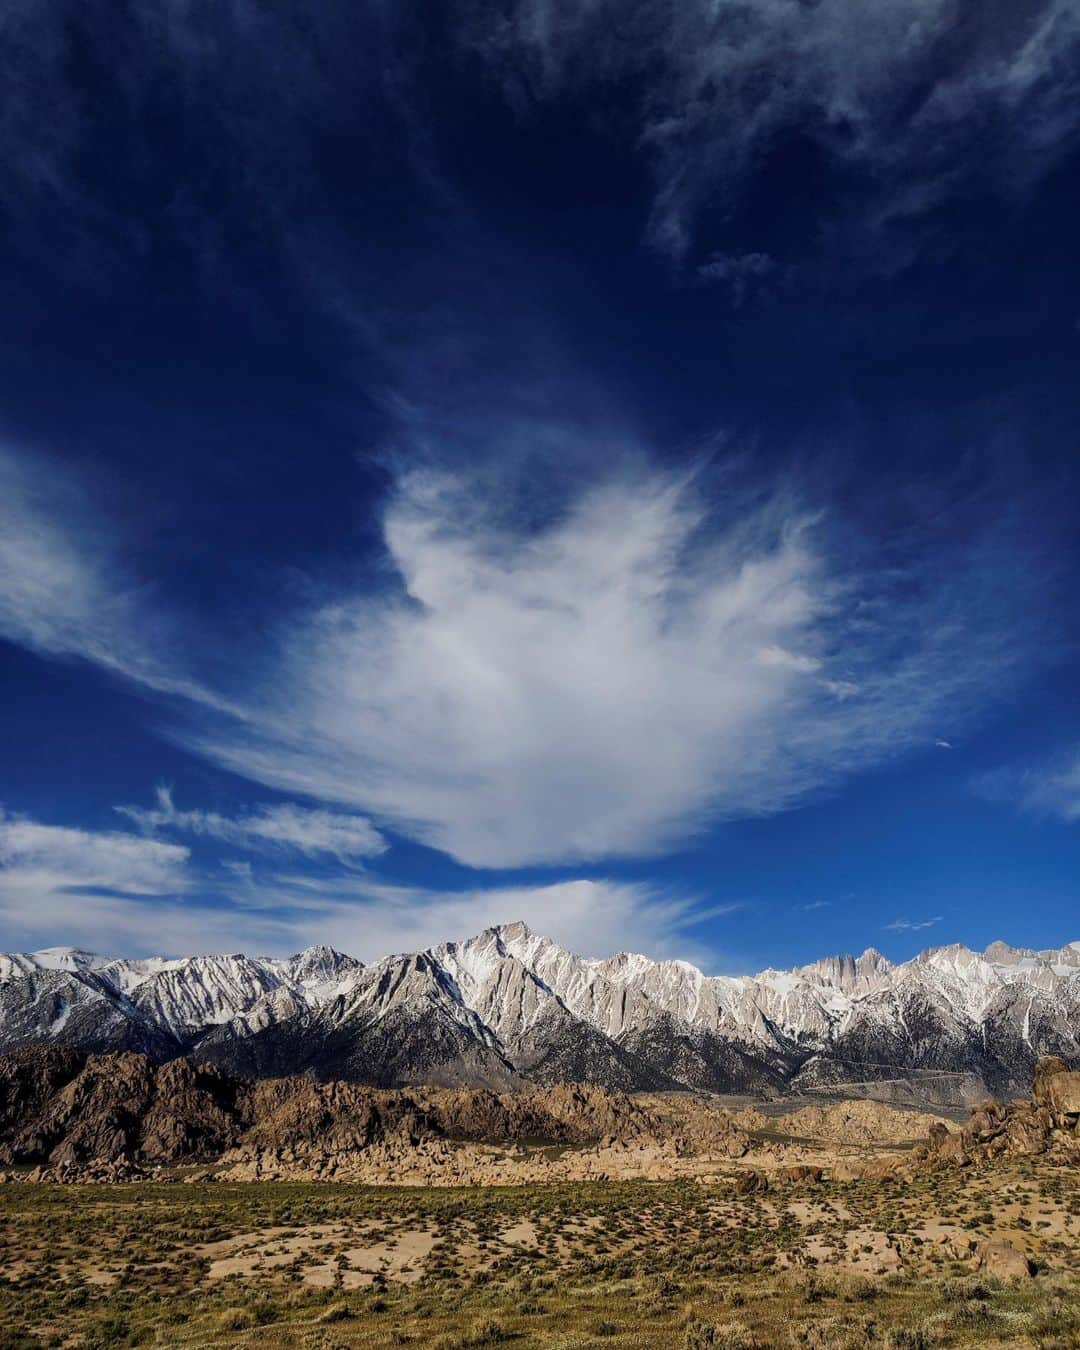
(508,1008)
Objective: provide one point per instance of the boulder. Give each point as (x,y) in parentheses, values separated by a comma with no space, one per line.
(945,1146)
(1000,1258)
(986,1123)
(1057,1091)
(803,1173)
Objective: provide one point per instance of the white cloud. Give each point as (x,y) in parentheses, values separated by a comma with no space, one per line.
(591,917)
(308,830)
(912,925)
(60,885)
(899,90)
(943,745)
(557,683)
(609,680)
(87,858)
(122,894)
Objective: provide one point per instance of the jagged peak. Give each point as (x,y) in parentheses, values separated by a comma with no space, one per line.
(515,931)
(1002,953)
(845,967)
(321,952)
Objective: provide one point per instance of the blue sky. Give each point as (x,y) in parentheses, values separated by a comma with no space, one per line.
(613,466)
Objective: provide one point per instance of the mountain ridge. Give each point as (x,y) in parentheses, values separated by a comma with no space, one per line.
(509,1007)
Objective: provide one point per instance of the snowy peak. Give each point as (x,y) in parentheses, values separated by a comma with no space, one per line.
(320,970)
(71,959)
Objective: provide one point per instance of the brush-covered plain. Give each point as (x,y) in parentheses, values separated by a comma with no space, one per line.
(321,1266)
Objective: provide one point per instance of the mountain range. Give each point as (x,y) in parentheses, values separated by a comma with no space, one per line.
(509,1007)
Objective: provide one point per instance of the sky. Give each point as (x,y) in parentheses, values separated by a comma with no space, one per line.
(613,465)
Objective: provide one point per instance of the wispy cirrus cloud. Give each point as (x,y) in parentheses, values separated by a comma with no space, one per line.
(528,680)
(910,94)
(607,677)
(916,102)
(66,590)
(307,830)
(61,884)
(912,925)
(738,271)
(1050,789)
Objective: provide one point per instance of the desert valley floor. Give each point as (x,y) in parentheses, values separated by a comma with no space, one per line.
(843,1225)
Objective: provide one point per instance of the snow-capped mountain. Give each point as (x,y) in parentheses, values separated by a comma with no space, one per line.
(508,1006)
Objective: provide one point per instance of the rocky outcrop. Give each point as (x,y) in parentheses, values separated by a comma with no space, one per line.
(1048,1122)
(999,1258)
(858,1122)
(30,1077)
(751,1183)
(105,1108)
(121,1116)
(67,1111)
(1057,1091)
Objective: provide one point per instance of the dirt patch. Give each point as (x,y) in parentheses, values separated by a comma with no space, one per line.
(320,1256)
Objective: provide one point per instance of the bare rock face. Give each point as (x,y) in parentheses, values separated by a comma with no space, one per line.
(70,1113)
(192,1113)
(945,1146)
(296,1115)
(29,1078)
(112,1108)
(802,1172)
(858,1122)
(568,1113)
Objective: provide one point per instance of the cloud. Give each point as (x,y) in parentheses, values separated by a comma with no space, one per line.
(608,676)
(127,895)
(590,916)
(943,745)
(1050,790)
(815,904)
(55,881)
(599,669)
(920,101)
(65,590)
(308,830)
(912,925)
(915,102)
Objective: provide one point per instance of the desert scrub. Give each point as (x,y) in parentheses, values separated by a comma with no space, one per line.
(171,1265)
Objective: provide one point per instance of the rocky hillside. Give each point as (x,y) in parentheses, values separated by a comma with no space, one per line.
(509,1008)
(74,1112)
